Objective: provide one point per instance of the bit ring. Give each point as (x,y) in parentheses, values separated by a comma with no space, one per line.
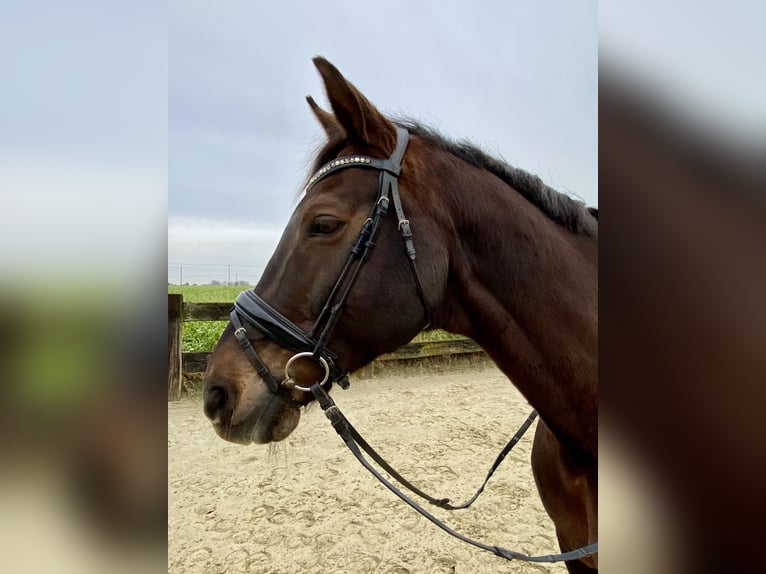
(288,382)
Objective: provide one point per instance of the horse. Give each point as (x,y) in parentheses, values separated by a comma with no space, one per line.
(490,252)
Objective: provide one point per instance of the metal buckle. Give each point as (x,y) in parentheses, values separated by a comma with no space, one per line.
(290,383)
(381,206)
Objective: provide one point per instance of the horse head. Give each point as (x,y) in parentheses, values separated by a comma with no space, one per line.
(343,301)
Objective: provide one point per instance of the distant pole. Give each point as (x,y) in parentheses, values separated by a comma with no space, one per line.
(228,281)
(181,281)
(236,278)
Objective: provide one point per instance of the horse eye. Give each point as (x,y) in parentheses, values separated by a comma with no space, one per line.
(325,226)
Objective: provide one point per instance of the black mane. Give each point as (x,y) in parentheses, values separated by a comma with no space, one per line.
(570,213)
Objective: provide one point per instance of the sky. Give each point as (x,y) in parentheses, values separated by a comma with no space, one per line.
(118,118)
(517,78)
(83,139)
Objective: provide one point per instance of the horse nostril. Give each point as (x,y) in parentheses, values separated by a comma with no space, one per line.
(214,400)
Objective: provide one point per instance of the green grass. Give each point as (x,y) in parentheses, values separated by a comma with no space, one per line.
(208,293)
(203,335)
(435,335)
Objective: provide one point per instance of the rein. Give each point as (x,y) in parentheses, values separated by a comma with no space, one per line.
(350,436)
(313,345)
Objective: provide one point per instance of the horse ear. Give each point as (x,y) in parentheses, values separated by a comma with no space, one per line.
(329,122)
(361,120)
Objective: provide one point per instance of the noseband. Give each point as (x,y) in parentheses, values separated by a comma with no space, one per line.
(313,345)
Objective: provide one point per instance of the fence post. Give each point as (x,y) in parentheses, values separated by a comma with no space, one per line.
(175,319)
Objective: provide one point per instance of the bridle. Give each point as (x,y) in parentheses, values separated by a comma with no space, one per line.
(313,345)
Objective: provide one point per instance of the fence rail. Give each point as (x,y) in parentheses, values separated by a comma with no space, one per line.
(180,363)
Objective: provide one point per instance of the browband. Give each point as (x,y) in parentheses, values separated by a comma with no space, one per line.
(392,165)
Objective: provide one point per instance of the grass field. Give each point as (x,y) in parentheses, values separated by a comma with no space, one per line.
(208,293)
(203,335)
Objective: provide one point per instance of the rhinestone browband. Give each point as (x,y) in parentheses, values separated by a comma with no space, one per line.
(335,164)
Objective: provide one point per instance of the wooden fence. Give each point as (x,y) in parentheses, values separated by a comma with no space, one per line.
(180,363)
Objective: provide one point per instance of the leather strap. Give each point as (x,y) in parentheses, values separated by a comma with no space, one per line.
(442,502)
(403,225)
(343,428)
(280,330)
(392,165)
(387,189)
(271,322)
(244,341)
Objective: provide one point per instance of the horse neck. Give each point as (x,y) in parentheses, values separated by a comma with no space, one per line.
(525,289)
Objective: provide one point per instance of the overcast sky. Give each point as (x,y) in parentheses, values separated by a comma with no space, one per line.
(517,78)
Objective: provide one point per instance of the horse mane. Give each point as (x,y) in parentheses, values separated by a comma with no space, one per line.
(570,213)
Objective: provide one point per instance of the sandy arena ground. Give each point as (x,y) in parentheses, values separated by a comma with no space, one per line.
(306,505)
